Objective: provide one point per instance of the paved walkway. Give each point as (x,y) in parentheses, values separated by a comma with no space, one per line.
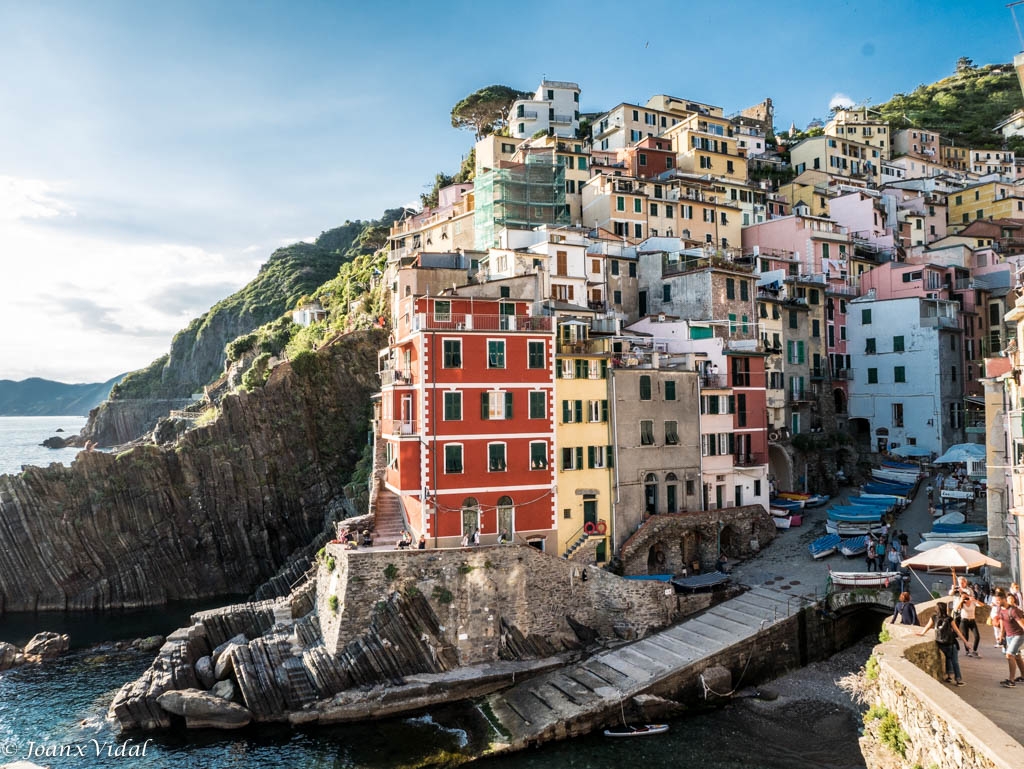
(786,561)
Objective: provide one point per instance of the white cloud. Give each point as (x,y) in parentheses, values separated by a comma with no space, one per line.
(29,199)
(840,101)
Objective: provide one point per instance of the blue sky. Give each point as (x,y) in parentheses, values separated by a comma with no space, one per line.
(152,155)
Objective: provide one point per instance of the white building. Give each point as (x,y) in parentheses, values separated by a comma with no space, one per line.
(906,388)
(554,109)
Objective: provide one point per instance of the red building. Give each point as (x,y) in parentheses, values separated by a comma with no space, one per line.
(467,419)
(649,157)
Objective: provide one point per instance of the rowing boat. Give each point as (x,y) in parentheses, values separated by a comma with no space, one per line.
(636,731)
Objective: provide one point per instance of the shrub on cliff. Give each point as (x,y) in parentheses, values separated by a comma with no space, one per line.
(258,373)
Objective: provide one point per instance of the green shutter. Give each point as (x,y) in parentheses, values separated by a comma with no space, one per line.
(579,457)
(590,457)
(789,350)
(610,452)
(485,405)
(732,443)
(604,411)
(799,352)
(566,411)
(604,369)
(732,404)
(579,410)
(508,405)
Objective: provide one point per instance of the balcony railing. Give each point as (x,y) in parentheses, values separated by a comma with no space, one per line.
(526,113)
(843,373)
(817,372)
(562,119)
(800,396)
(403,428)
(393,376)
(456,322)
(713,382)
(749,460)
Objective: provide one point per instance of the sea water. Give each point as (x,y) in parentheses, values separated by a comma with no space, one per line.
(21,439)
(55,713)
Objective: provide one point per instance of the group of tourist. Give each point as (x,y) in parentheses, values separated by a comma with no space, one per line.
(955,623)
(886,549)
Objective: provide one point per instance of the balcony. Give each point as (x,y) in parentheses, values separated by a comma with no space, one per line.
(392,376)
(818,373)
(527,114)
(975,424)
(749,460)
(562,119)
(713,382)
(801,396)
(939,321)
(403,427)
(843,373)
(457,322)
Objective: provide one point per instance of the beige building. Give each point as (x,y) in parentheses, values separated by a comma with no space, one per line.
(708,145)
(839,156)
(863,126)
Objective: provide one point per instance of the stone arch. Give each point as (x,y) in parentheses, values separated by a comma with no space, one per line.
(728,541)
(689,547)
(657,558)
(780,467)
(860,429)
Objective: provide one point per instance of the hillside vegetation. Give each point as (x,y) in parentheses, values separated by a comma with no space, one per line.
(964,107)
(43,397)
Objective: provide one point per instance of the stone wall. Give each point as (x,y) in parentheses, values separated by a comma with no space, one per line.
(682,538)
(492,602)
(943,731)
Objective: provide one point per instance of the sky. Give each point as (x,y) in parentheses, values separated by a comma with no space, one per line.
(153,155)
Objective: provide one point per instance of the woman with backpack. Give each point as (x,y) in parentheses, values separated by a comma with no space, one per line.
(946,634)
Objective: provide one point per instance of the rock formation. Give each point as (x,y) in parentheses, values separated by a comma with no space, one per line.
(218,513)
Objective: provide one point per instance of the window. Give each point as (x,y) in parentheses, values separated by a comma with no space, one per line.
(897,415)
(617,297)
(646,432)
(572,458)
(452,353)
(538,456)
(597,411)
(538,405)
(812,296)
(669,211)
(645,388)
(536,354)
(741,410)
(730,288)
(744,291)
(872,376)
(654,209)
(952,373)
(815,327)
(793,321)
(596,456)
(666,293)
(632,269)
(642,158)
(897,344)
(496,457)
(670,390)
(496,405)
(638,206)
(671,433)
(865,317)
(453,458)
(452,407)
(495,353)
(620,203)
(572,411)
(638,230)
(442,311)
(615,266)
(869,348)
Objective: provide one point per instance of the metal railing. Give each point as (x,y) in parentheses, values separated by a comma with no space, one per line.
(392,376)
(713,382)
(403,427)
(749,460)
(457,322)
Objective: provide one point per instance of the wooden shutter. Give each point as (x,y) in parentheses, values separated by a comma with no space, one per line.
(485,405)
(508,405)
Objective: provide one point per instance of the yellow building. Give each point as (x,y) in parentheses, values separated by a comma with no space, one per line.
(834,155)
(584,448)
(493,150)
(864,126)
(705,144)
(445,229)
(987,200)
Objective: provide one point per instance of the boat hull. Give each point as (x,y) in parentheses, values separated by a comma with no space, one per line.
(637,731)
(952,536)
(864,578)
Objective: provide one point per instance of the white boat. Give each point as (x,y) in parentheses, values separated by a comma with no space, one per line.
(931,544)
(846,529)
(864,578)
(950,518)
(895,476)
(955,494)
(636,731)
(782,521)
(956,536)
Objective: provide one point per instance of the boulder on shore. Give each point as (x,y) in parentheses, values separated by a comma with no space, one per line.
(56,442)
(204,672)
(149,643)
(47,645)
(8,655)
(224,689)
(202,710)
(225,664)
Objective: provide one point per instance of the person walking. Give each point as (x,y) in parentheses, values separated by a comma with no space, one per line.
(964,607)
(1008,618)
(946,634)
(869,553)
(905,611)
(894,557)
(904,543)
(880,553)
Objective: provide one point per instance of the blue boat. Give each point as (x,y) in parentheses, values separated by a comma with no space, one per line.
(787,504)
(896,490)
(903,486)
(853,546)
(958,527)
(888,502)
(855,514)
(900,465)
(817,500)
(824,546)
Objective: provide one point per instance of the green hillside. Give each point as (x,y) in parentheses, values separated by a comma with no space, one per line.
(964,107)
(43,397)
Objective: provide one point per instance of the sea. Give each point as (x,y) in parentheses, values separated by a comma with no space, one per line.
(55,714)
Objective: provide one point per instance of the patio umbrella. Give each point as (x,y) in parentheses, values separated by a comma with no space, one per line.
(911,451)
(961,452)
(950,556)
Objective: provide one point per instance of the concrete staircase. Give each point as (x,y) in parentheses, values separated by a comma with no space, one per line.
(389,523)
(567,701)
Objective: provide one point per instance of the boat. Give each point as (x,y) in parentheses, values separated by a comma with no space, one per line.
(870,504)
(957,536)
(893,464)
(853,546)
(893,476)
(809,500)
(855,514)
(889,489)
(700,582)
(787,504)
(931,544)
(949,518)
(824,546)
(898,487)
(959,527)
(636,731)
(892,499)
(850,529)
(864,578)
(782,521)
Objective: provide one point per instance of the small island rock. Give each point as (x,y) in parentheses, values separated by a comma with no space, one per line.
(47,645)
(8,654)
(56,442)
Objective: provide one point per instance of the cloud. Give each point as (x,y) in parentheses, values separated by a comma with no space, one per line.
(29,199)
(282,242)
(190,298)
(840,101)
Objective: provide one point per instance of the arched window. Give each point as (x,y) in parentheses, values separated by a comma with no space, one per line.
(506,519)
(470,516)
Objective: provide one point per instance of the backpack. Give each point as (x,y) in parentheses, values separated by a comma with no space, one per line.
(944,630)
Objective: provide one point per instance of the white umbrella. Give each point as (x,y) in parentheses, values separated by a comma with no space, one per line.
(950,556)
(961,452)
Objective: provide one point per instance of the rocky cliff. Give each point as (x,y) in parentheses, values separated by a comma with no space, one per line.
(217,513)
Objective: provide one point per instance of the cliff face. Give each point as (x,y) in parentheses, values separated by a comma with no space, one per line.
(217,513)
(114,422)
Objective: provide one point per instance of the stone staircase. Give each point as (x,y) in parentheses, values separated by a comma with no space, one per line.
(570,700)
(388,523)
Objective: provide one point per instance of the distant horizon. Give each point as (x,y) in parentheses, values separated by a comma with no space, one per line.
(153,157)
